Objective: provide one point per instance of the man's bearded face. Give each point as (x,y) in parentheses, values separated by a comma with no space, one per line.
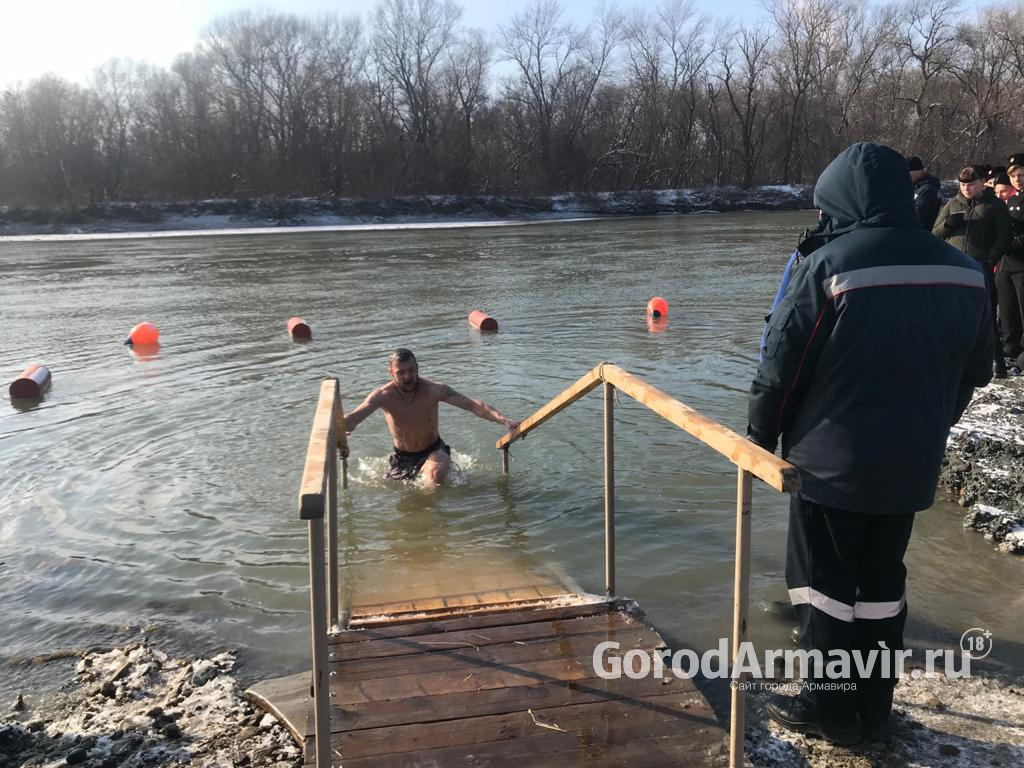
(406,375)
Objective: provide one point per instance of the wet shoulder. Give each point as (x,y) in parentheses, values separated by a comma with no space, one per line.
(435,390)
(385,394)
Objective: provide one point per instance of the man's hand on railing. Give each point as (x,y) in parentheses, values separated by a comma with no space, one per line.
(511,424)
(343,449)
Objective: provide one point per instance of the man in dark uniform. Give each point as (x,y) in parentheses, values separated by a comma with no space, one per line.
(1009,276)
(870,357)
(978,223)
(927,200)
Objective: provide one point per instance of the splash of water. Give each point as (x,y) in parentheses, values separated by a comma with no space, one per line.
(370,472)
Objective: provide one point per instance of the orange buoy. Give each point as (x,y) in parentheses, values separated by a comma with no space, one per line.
(32,382)
(299,328)
(482,321)
(143,333)
(657,307)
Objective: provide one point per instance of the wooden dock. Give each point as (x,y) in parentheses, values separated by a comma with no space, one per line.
(493,666)
(507,684)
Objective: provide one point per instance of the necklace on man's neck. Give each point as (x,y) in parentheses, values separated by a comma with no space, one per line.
(414,393)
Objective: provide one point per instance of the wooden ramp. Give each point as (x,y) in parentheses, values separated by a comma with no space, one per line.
(484,578)
(500,685)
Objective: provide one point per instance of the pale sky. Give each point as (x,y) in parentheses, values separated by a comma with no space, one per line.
(72,37)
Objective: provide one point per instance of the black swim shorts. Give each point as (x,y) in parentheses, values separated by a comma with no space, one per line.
(405,465)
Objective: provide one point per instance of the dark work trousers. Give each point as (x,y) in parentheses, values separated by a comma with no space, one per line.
(847,582)
(997,346)
(1010,292)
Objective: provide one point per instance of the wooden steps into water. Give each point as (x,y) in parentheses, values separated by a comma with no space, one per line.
(506,683)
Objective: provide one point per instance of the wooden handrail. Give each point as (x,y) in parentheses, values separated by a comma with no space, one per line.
(779,474)
(559,402)
(312,490)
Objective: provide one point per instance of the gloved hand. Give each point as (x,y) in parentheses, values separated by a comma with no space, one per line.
(953,220)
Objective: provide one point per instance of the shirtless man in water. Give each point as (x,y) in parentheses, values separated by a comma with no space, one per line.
(410,406)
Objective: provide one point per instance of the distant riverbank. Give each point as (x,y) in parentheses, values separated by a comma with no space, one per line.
(261,213)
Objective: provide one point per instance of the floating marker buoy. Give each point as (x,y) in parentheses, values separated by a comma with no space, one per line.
(483,321)
(299,328)
(143,333)
(32,382)
(657,307)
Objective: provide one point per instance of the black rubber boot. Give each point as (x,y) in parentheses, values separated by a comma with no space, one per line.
(798,713)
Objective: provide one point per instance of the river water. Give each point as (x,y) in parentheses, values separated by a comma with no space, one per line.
(156,493)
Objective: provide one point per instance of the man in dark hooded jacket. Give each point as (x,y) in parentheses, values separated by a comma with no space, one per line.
(870,357)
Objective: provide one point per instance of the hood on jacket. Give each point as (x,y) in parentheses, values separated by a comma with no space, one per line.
(866,185)
(928,181)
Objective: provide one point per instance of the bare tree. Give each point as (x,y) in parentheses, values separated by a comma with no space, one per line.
(278,104)
(925,39)
(743,73)
(411,38)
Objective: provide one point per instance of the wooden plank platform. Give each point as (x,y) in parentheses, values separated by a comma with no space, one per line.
(506,686)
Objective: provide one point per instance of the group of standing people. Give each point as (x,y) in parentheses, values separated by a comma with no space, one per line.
(986,221)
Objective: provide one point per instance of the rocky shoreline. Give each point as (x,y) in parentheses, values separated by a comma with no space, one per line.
(137,708)
(269,212)
(982,467)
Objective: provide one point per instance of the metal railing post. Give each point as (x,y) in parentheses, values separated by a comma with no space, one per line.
(738,711)
(609,490)
(332,532)
(321,677)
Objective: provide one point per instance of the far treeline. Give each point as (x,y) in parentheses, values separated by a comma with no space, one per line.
(408,101)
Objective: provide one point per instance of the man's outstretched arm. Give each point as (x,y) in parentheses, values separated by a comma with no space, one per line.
(478,407)
(357,415)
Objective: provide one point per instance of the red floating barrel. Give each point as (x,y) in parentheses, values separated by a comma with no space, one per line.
(299,328)
(657,307)
(32,382)
(483,321)
(143,334)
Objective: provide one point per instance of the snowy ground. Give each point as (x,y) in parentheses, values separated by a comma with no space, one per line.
(983,463)
(137,708)
(971,723)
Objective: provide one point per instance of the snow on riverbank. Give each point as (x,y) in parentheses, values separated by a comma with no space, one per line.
(137,708)
(341,212)
(983,463)
(971,723)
